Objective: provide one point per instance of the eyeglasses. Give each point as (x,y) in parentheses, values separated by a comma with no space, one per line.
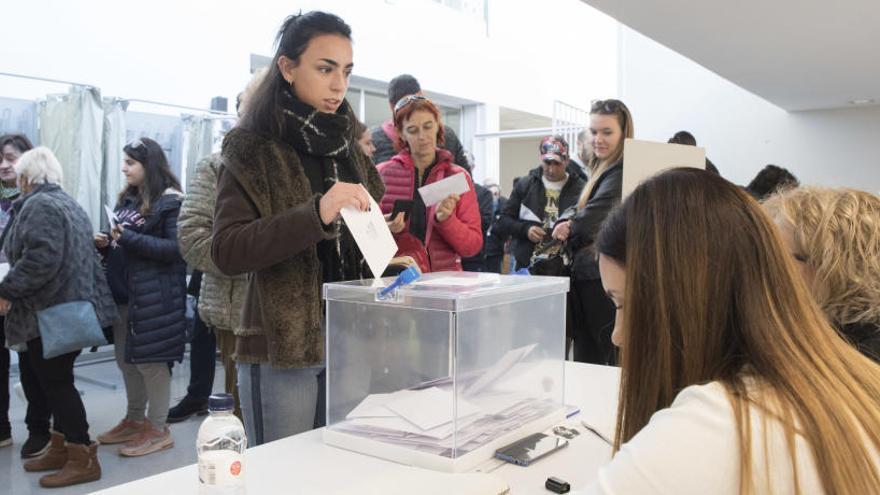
(135,144)
(406,100)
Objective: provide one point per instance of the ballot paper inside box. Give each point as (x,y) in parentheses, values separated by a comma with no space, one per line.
(452,368)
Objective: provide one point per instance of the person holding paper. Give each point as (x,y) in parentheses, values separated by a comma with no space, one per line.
(449,229)
(732,379)
(147,275)
(289,167)
(539,200)
(590,313)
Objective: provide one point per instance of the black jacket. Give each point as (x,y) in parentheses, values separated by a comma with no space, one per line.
(484,201)
(866,338)
(574,167)
(586,222)
(154,284)
(711,167)
(494,243)
(525,209)
(385,147)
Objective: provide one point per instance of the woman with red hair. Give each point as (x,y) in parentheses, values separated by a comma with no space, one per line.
(447,231)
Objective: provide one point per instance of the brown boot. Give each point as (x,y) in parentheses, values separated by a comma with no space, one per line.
(54,458)
(82,466)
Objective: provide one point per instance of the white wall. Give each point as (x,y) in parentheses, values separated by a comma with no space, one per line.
(185,52)
(518,157)
(741,132)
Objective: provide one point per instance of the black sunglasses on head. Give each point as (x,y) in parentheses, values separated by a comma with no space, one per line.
(607,106)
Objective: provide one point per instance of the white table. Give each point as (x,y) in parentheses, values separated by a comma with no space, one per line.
(302,464)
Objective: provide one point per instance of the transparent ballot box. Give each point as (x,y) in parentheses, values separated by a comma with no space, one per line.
(443,372)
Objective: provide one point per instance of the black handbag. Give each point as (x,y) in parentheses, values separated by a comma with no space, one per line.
(551,258)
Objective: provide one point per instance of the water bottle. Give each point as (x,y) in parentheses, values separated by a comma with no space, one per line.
(221,443)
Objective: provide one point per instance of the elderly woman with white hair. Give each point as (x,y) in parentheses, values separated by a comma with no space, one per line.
(52,261)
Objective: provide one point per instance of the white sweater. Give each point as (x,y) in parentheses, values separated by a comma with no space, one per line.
(692,447)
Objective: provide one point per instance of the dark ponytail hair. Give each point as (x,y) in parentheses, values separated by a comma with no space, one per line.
(261,115)
(158,176)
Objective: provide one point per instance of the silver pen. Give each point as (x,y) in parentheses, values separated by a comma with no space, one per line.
(596,432)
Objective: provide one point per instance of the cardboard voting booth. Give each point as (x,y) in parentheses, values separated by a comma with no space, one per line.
(645,159)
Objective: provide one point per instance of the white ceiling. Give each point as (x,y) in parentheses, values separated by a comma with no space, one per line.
(797,54)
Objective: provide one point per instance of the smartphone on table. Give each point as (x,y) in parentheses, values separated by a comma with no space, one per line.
(527,450)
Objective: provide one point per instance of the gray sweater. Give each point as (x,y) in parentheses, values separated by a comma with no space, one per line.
(52,259)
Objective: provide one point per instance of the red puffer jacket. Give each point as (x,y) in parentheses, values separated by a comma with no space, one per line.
(448,241)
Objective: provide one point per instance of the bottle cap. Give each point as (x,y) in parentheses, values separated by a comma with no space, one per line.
(221,402)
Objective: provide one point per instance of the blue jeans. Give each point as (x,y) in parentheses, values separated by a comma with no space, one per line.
(277,403)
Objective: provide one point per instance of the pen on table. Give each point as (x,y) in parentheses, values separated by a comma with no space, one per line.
(596,432)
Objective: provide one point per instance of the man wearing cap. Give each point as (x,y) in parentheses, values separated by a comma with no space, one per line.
(548,194)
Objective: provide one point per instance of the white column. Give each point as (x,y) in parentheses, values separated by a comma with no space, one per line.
(487,151)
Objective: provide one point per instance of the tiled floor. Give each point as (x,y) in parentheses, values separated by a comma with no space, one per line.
(104,407)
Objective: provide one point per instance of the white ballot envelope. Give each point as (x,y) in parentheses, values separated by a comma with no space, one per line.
(111,217)
(372,236)
(440,190)
(644,159)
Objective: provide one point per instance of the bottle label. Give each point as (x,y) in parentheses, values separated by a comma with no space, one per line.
(221,467)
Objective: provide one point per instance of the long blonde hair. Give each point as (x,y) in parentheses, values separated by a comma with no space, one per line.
(598,166)
(837,232)
(712,295)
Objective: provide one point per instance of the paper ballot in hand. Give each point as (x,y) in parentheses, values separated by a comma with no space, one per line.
(372,236)
(440,190)
(111,217)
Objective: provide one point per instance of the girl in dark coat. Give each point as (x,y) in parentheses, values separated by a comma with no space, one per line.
(148,278)
(590,312)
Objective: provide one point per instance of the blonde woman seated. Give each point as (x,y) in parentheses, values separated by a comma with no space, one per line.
(732,381)
(834,235)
